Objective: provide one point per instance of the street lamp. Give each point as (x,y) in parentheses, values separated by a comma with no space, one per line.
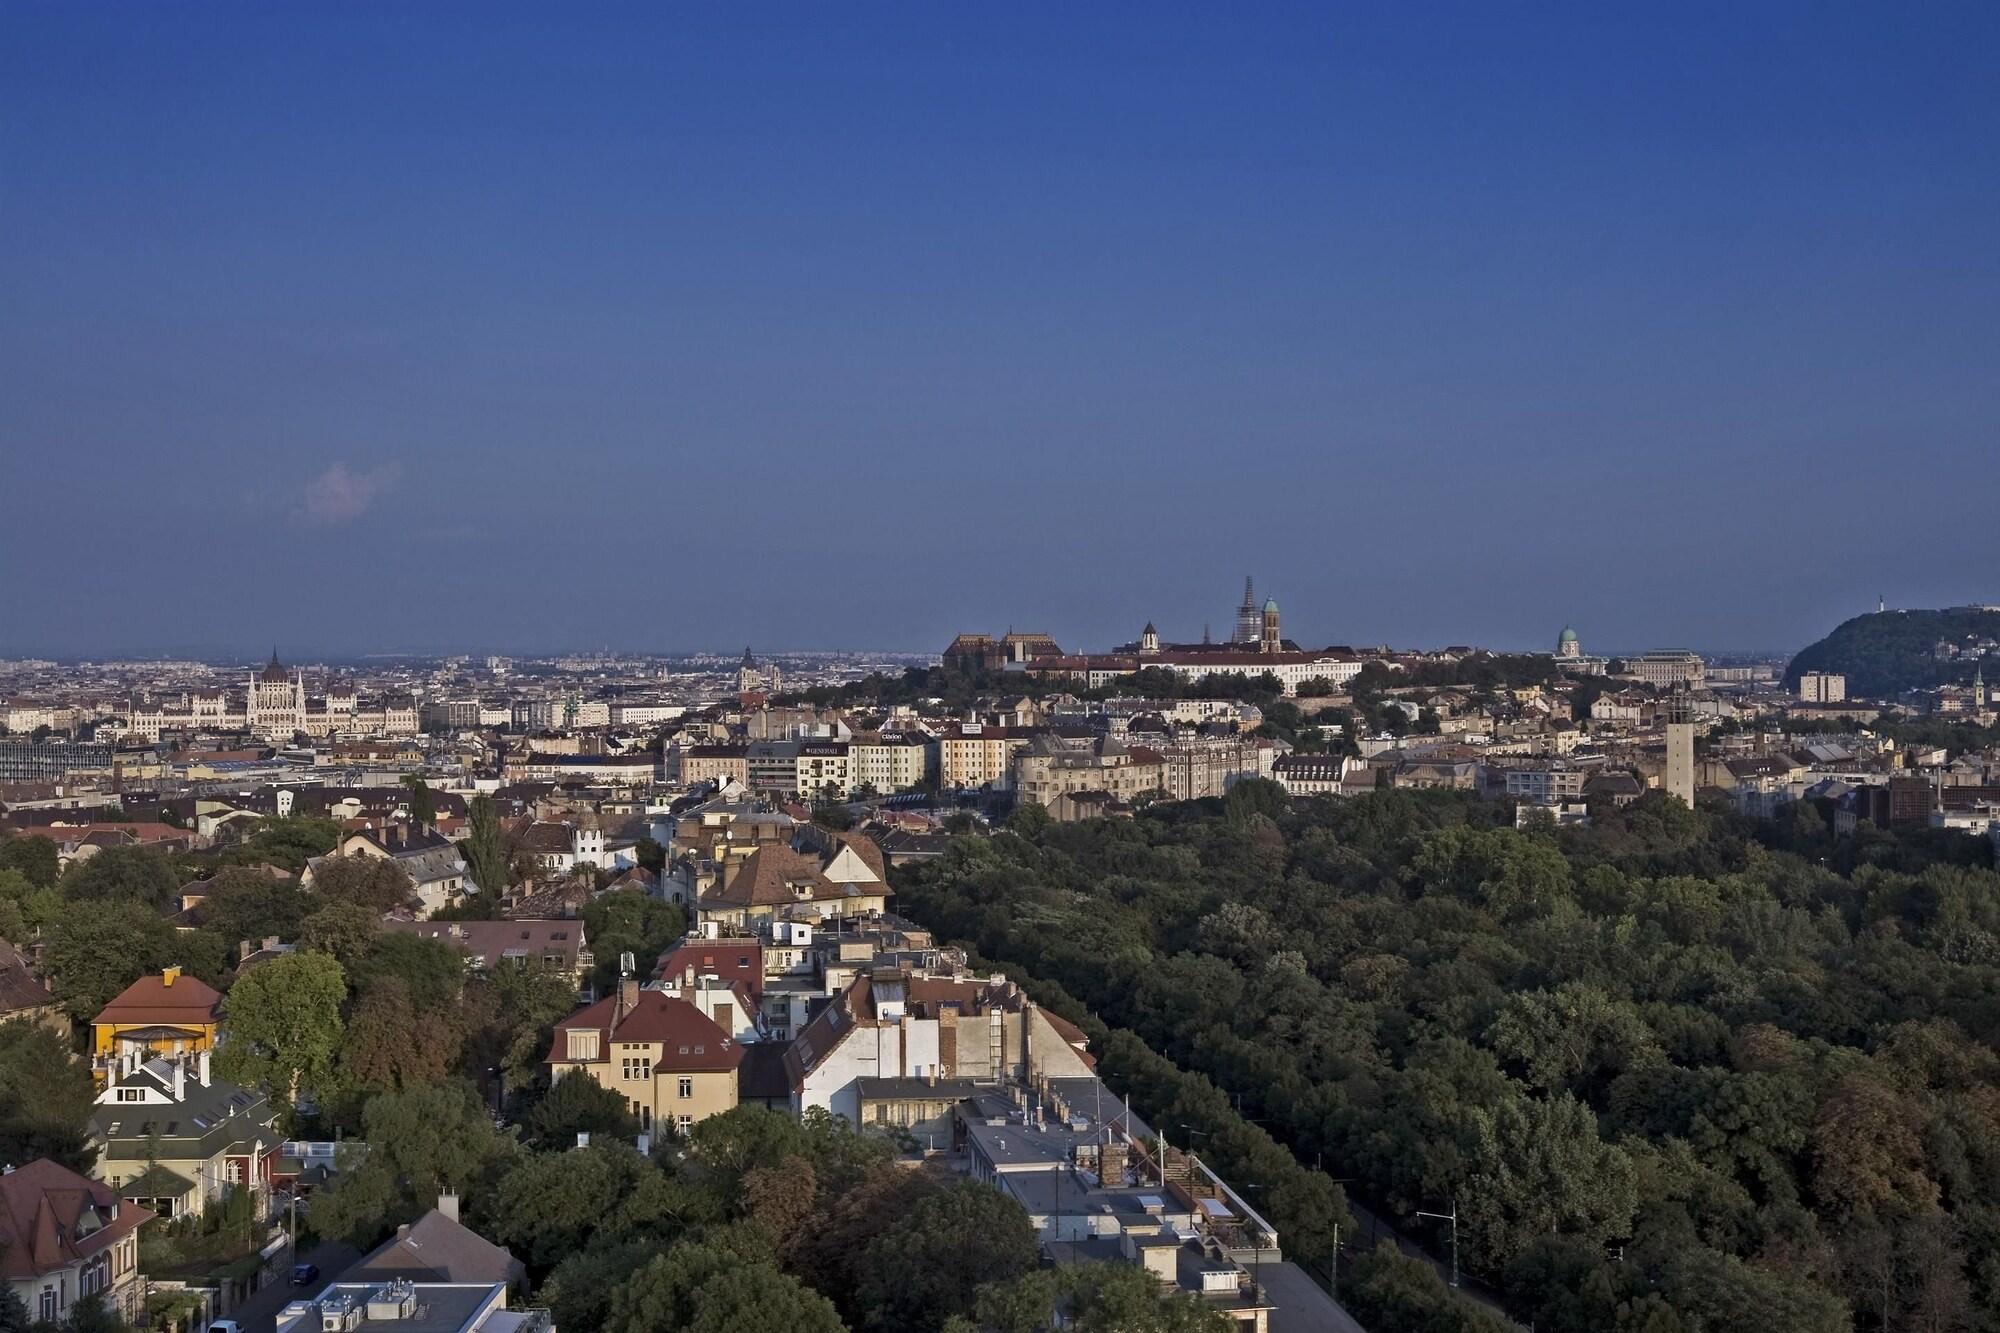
(1256,1258)
(1451,1217)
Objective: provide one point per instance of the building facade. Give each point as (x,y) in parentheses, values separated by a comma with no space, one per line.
(673,1065)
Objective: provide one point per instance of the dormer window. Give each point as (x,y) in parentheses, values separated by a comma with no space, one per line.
(583,1043)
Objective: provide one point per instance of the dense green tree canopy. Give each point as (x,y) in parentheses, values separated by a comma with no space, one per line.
(1730,1053)
(284,1025)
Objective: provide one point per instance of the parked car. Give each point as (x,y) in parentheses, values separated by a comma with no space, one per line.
(304,1274)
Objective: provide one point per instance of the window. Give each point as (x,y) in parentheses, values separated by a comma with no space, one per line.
(683,1123)
(686,1088)
(582,1044)
(131,1094)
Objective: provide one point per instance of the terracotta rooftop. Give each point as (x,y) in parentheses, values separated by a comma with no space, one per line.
(167,998)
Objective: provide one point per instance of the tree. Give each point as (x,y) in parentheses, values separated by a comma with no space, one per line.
(417,1141)
(34,856)
(284,1024)
(96,950)
(580,1290)
(368,881)
(391,1045)
(550,1205)
(432,972)
(780,1197)
(14,1316)
(485,847)
(1538,1166)
(345,930)
(1124,1298)
(92,1315)
(512,1013)
(46,1097)
(1868,1151)
(423,803)
(287,842)
(122,874)
(929,1265)
(577,1103)
(723,1283)
(628,921)
(1391,1292)
(242,904)
(760,1299)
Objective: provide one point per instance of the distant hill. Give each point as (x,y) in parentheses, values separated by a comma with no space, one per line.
(1888,652)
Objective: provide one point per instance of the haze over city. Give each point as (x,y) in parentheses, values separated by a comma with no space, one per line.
(512,328)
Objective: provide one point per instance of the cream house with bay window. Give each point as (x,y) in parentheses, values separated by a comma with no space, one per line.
(672,1063)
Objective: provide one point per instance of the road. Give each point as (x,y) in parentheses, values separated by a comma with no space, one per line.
(259,1314)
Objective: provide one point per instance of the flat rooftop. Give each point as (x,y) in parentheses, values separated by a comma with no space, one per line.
(441,1307)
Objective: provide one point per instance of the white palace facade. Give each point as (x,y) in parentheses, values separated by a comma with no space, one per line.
(275,706)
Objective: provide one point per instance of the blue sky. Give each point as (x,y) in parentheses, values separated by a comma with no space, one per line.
(370,326)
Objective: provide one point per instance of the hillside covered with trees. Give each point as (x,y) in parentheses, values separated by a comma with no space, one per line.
(1679,1072)
(1887,652)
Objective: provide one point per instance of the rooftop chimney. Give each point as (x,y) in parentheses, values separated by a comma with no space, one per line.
(201,1068)
(448,1203)
(169,975)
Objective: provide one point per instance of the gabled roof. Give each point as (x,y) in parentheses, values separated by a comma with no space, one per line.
(488,942)
(19,989)
(689,1040)
(51,1217)
(435,1248)
(547,835)
(181,1001)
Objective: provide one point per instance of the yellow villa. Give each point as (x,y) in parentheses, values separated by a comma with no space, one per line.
(171,1014)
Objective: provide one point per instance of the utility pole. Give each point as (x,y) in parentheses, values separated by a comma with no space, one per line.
(1451,1217)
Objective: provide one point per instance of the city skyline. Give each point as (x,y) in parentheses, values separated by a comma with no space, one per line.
(364,327)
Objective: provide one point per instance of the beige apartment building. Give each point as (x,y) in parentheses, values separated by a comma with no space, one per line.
(889,763)
(1048,768)
(713,763)
(673,1065)
(973,755)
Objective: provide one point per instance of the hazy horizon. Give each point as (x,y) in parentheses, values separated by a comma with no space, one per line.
(426,327)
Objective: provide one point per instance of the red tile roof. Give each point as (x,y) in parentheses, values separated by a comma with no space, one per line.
(688,1038)
(40,1206)
(734,960)
(149,1000)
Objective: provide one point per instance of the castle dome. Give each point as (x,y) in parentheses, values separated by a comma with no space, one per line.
(273,673)
(1568,635)
(1270,606)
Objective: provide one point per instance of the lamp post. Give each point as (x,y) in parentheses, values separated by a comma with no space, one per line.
(1451,1217)
(1256,1258)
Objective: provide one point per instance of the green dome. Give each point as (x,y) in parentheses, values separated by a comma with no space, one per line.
(1568,635)
(1270,606)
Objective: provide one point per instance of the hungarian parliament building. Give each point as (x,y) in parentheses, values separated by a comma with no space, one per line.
(276,707)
